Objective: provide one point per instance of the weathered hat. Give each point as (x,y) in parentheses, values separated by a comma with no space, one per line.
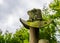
(35,24)
(35,19)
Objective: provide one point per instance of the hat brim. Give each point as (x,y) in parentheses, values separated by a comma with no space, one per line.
(35,24)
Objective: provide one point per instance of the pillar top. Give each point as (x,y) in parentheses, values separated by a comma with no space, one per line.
(35,19)
(35,24)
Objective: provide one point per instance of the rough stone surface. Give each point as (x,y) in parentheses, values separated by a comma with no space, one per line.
(43,41)
(34,15)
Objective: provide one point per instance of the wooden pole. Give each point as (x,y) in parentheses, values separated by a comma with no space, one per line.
(34,35)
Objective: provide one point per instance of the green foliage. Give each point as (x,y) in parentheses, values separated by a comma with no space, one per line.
(48,32)
(55,5)
(22,34)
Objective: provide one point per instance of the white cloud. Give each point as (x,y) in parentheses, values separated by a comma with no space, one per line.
(10,20)
(1,2)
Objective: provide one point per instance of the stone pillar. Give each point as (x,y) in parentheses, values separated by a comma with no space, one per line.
(34,35)
(43,41)
(34,15)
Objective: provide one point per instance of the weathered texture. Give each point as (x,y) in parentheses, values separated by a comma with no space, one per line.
(43,41)
(34,35)
(34,15)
